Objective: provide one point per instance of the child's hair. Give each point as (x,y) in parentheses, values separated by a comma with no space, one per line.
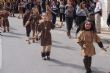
(35,9)
(81,5)
(47,15)
(92,26)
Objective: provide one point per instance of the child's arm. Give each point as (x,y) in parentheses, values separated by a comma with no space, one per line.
(28,21)
(79,41)
(101,46)
(98,40)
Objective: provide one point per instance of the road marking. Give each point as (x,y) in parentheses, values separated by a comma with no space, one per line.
(0,53)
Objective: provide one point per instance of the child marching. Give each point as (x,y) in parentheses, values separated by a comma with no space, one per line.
(46,40)
(33,22)
(6,14)
(85,39)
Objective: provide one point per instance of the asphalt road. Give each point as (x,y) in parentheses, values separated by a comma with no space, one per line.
(20,57)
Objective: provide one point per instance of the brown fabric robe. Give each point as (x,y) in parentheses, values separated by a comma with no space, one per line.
(5,19)
(34,21)
(45,28)
(85,40)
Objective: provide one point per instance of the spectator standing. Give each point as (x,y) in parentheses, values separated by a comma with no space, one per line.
(98,14)
(108,20)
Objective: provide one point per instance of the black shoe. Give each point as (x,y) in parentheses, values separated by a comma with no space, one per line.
(8,30)
(43,54)
(4,31)
(44,58)
(90,71)
(48,57)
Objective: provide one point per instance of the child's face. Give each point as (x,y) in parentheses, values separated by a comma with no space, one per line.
(87,25)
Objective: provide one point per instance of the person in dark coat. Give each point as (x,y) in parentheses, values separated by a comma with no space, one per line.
(29,6)
(69,15)
(82,14)
(62,12)
(54,9)
(28,28)
(46,41)
(108,20)
(43,5)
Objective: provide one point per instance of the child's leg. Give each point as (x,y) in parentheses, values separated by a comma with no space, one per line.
(28,31)
(48,51)
(7,24)
(4,27)
(43,53)
(33,35)
(44,49)
(87,63)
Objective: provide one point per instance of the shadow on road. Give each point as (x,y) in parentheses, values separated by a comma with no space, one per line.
(57,42)
(11,36)
(64,47)
(96,70)
(12,28)
(67,64)
(60,63)
(17,33)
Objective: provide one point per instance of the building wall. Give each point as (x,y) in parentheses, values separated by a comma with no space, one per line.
(108,6)
(105,8)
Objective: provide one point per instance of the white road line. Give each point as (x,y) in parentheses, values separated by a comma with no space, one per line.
(0,53)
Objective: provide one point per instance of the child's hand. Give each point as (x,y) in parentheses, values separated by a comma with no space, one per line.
(105,49)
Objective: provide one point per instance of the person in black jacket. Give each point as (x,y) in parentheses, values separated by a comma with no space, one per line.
(108,20)
(29,6)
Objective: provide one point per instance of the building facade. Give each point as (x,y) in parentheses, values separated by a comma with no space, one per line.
(106,10)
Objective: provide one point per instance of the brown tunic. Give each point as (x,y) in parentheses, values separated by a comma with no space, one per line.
(85,40)
(1,21)
(45,28)
(5,19)
(1,18)
(21,7)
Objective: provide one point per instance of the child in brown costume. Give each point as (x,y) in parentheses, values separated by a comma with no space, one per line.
(1,18)
(21,7)
(33,21)
(85,39)
(1,21)
(46,41)
(5,20)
